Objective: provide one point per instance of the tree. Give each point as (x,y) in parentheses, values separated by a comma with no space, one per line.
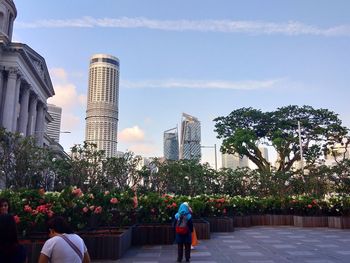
(245,129)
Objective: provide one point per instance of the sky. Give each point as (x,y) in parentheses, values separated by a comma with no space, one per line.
(202,57)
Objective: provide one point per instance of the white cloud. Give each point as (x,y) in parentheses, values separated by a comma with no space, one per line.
(204,84)
(66,94)
(133,134)
(144,149)
(290,28)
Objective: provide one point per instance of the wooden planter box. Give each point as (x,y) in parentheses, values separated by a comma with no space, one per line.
(345,222)
(242,221)
(335,222)
(153,234)
(259,220)
(220,224)
(107,244)
(310,221)
(202,228)
(33,248)
(339,222)
(279,220)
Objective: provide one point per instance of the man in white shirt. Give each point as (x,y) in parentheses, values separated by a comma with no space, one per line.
(63,245)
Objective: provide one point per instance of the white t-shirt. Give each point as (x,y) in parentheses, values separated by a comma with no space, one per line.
(59,251)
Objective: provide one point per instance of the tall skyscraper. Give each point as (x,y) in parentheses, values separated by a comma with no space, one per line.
(171,144)
(190,143)
(54,127)
(234,161)
(102,103)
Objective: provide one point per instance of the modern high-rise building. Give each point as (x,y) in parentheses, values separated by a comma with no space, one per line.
(234,161)
(53,128)
(171,144)
(190,142)
(102,103)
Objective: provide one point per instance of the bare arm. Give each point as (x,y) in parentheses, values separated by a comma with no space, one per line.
(86,258)
(43,258)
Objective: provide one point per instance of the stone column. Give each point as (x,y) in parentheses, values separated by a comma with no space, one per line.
(9,103)
(24,110)
(1,93)
(32,115)
(39,126)
(16,106)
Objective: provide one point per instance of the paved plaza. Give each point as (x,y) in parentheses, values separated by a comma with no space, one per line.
(256,245)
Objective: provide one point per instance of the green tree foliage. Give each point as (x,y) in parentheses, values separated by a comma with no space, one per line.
(22,163)
(245,129)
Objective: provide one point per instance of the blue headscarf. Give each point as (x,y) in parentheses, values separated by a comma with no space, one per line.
(183,210)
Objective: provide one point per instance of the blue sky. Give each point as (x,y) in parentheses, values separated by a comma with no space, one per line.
(205,58)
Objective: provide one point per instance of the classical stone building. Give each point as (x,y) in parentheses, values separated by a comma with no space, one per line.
(25,83)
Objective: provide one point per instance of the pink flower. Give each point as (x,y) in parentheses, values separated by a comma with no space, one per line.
(174,204)
(35,212)
(77,192)
(106,192)
(98,210)
(85,209)
(136,203)
(309,206)
(28,209)
(50,213)
(113,200)
(17,219)
(92,207)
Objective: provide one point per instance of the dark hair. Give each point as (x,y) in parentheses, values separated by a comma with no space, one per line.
(60,225)
(8,233)
(5,200)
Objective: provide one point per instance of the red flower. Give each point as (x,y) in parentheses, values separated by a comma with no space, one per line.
(50,213)
(174,204)
(314,202)
(17,219)
(309,206)
(28,209)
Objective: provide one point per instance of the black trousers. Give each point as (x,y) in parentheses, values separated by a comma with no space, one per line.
(180,251)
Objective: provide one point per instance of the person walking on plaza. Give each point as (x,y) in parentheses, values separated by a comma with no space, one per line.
(183,232)
(194,234)
(10,250)
(63,246)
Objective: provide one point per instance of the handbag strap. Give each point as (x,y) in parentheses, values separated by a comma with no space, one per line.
(74,247)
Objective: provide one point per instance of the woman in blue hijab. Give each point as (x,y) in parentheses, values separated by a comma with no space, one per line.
(183,232)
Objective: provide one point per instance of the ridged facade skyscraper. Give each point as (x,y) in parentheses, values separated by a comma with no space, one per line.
(102,103)
(171,145)
(190,142)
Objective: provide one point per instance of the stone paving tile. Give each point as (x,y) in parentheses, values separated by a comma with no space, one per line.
(273,245)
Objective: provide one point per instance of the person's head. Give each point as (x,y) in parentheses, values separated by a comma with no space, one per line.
(8,230)
(183,209)
(4,206)
(59,225)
